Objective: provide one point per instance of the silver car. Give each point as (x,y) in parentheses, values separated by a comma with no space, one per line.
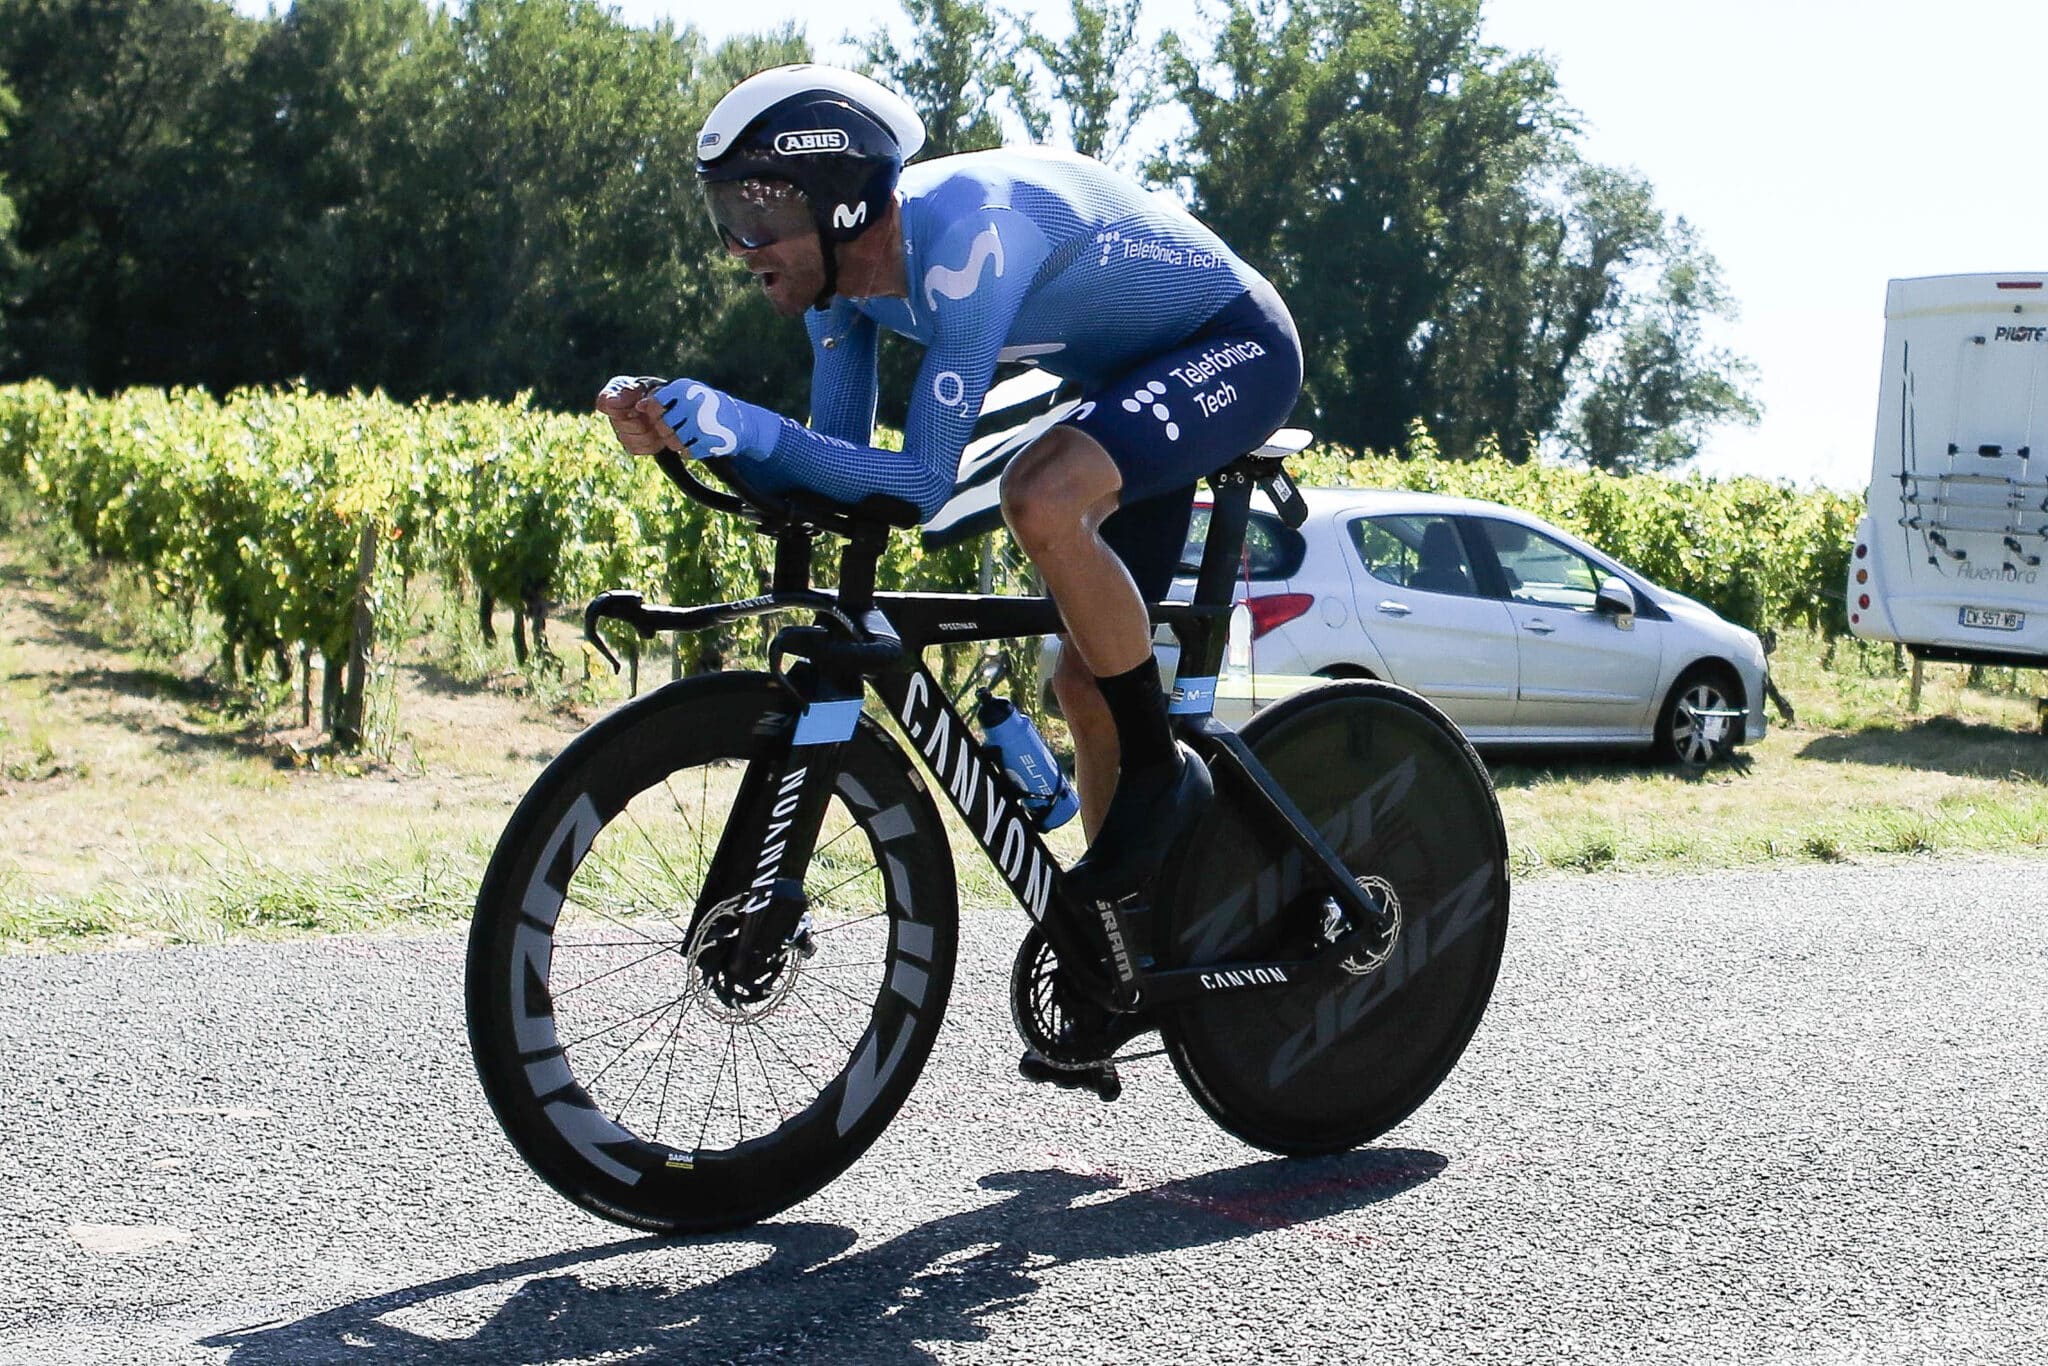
(1521,632)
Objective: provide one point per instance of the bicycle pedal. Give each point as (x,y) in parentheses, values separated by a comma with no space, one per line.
(1101,1078)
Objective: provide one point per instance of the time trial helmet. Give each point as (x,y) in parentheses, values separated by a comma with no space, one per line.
(804,147)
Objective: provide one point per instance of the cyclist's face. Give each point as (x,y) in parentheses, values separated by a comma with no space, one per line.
(768,225)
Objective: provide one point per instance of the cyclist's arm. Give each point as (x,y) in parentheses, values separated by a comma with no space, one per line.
(843,383)
(982,269)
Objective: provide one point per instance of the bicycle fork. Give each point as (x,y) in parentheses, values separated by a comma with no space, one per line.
(766,847)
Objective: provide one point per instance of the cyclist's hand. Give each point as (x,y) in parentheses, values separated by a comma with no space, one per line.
(700,420)
(636,417)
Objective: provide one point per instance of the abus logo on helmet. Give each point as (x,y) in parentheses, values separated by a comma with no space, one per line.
(804,144)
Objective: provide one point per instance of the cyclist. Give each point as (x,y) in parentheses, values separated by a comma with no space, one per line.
(1186,357)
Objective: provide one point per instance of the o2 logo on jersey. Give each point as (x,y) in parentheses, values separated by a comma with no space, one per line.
(950,389)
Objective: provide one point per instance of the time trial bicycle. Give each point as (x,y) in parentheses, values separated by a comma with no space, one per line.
(715,942)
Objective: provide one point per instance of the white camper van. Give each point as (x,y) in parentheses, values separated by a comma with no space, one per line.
(1948,558)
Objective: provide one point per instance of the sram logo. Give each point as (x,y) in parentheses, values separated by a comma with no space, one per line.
(812,141)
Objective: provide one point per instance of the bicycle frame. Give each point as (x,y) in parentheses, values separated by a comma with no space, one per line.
(862,639)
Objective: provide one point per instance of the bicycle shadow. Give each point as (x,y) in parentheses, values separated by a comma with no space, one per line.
(941,1281)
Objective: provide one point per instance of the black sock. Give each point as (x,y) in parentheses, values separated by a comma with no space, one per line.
(1137,704)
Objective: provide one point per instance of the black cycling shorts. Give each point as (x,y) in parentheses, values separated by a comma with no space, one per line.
(1186,413)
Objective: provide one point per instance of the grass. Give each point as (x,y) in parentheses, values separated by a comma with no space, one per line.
(142,800)
(1858,776)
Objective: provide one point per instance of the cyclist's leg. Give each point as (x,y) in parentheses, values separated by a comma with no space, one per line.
(1103,498)
(1148,537)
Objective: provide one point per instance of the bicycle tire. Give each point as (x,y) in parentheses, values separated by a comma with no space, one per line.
(581,985)
(1400,795)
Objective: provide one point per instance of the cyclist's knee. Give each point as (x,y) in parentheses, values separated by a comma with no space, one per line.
(1061,482)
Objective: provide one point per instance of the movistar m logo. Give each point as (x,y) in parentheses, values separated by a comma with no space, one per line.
(958,284)
(850,215)
(708,420)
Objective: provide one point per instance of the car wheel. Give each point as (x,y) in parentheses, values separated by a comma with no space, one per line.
(1688,733)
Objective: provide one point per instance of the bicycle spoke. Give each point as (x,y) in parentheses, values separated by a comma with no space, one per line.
(855,877)
(845,995)
(847,924)
(667,1077)
(661,952)
(801,1070)
(675,880)
(716,1086)
(621,1024)
(570,903)
(618,1117)
(797,995)
(754,1042)
(620,1056)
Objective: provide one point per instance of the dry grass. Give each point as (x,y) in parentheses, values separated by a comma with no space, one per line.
(141,803)
(138,801)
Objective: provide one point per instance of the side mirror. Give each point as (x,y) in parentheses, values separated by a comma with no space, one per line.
(1616,599)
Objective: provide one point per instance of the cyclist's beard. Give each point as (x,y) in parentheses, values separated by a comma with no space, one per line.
(791,274)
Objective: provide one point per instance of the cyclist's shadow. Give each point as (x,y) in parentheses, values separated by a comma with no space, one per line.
(808,1300)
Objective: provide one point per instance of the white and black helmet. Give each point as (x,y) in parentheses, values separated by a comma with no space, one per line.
(835,137)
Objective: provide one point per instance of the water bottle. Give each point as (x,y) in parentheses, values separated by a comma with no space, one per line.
(1046,795)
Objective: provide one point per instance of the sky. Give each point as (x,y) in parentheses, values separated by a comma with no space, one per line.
(1821,147)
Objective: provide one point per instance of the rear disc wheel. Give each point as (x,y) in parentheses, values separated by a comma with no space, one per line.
(1400,795)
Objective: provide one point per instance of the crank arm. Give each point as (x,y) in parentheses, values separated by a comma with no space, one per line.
(1176,985)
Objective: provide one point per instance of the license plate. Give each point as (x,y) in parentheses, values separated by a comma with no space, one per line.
(1993,619)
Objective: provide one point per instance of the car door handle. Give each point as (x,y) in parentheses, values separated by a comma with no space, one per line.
(1541,628)
(1394,609)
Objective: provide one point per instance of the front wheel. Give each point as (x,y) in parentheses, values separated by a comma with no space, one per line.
(1694,729)
(1399,794)
(632,1073)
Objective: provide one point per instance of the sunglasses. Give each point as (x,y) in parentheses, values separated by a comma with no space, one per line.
(751,214)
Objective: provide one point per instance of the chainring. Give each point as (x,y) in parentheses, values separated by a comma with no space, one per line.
(1066,1029)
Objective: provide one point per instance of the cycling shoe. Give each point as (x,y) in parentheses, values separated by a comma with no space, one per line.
(1149,811)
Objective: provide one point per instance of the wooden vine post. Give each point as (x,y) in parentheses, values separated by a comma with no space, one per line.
(348,725)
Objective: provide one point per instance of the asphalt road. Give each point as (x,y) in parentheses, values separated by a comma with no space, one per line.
(1792,1116)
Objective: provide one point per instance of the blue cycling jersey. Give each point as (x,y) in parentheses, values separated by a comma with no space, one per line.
(1015,254)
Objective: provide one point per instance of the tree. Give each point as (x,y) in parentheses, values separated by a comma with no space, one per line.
(1102,78)
(959,70)
(10,261)
(1657,388)
(1364,154)
(1452,260)
(114,175)
(1502,360)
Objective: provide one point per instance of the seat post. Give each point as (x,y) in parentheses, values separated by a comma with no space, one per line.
(865,543)
(1223,549)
